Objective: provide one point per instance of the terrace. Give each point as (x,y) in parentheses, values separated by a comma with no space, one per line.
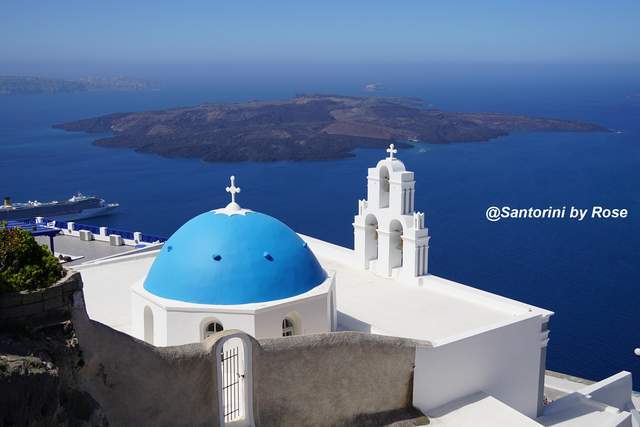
(80,243)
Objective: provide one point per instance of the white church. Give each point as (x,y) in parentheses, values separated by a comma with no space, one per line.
(234,268)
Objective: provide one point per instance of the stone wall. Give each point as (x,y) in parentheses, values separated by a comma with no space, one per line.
(39,359)
(344,378)
(138,384)
(40,306)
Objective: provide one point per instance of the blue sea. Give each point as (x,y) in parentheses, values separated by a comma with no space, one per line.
(587,272)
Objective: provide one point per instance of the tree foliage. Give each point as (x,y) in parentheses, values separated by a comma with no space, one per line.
(24,264)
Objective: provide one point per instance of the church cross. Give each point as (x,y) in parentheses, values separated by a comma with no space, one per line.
(233,189)
(392,150)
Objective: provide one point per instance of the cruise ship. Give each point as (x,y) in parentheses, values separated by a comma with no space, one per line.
(77,207)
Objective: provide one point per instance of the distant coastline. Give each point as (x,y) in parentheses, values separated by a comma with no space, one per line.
(26,85)
(307,127)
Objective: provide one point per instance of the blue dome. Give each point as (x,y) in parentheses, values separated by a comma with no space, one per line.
(217,258)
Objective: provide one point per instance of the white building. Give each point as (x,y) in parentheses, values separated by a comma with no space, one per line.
(236,269)
(390,237)
(232,268)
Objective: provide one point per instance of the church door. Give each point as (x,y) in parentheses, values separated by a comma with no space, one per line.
(234,383)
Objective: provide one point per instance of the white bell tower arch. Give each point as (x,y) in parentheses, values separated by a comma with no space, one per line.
(390,237)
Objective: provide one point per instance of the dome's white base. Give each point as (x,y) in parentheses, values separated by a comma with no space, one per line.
(165,322)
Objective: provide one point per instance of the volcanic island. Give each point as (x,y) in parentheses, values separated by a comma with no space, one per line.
(306,127)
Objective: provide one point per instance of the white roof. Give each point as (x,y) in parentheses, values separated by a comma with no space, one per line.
(438,311)
(577,410)
(478,410)
(580,403)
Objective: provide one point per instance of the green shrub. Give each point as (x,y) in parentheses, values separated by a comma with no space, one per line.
(24,264)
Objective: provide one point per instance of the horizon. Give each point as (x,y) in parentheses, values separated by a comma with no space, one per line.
(334,77)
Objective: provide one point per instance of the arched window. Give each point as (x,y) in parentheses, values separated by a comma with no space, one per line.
(212,328)
(371,238)
(288,327)
(148,325)
(384,187)
(395,244)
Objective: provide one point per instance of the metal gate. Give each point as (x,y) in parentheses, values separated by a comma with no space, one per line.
(232,382)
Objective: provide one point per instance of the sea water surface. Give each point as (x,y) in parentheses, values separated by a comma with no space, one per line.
(586,272)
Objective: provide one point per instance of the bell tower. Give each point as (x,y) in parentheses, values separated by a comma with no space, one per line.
(390,237)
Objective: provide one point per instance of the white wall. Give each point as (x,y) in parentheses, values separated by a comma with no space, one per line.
(614,391)
(138,305)
(503,362)
(185,327)
(107,287)
(312,313)
(181,325)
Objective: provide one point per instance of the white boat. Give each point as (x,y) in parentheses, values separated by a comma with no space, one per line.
(77,207)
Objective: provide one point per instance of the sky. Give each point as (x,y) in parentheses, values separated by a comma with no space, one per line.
(70,32)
